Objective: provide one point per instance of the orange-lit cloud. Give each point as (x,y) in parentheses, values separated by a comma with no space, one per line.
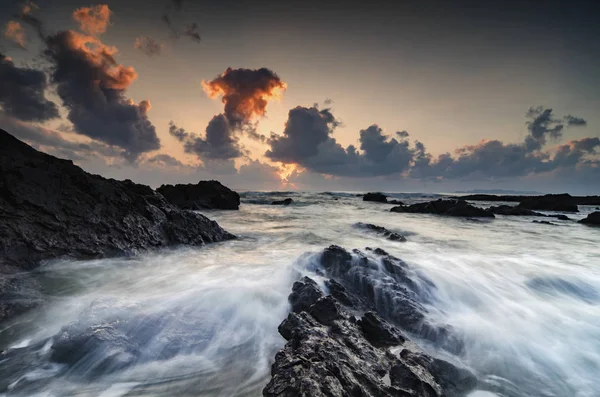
(245,92)
(285,171)
(15,32)
(93,20)
(148,45)
(28,7)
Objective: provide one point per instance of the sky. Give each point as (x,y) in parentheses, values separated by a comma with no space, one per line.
(428,96)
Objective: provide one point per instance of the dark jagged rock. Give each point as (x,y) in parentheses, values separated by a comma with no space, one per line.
(392,236)
(329,353)
(550,202)
(579,200)
(376,197)
(203,195)
(513,211)
(50,208)
(545,223)
(287,201)
(592,219)
(445,207)
(395,202)
(560,217)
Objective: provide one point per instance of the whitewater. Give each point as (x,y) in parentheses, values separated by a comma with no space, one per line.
(524,297)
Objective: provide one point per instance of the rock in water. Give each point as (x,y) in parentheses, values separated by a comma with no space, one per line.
(50,208)
(550,202)
(203,195)
(513,211)
(329,353)
(445,207)
(592,219)
(287,201)
(377,197)
(392,236)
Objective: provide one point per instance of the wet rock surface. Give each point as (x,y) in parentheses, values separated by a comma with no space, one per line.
(376,197)
(50,208)
(458,208)
(203,195)
(380,230)
(286,201)
(550,202)
(592,219)
(341,345)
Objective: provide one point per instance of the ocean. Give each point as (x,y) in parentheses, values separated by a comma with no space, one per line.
(524,297)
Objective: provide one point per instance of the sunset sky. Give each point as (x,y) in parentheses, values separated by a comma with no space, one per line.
(431,96)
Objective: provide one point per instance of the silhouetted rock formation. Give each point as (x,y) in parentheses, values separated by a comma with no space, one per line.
(550,202)
(578,200)
(203,195)
(513,211)
(377,197)
(445,207)
(392,236)
(50,208)
(287,201)
(331,353)
(592,219)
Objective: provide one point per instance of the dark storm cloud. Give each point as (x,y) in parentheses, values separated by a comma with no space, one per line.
(306,141)
(92,86)
(542,124)
(402,134)
(575,121)
(165,160)
(219,143)
(22,92)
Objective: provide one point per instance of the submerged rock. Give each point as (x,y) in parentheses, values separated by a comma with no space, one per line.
(287,201)
(445,207)
(203,195)
(331,353)
(545,223)
(392,236)
(376,197)
(550,202)
(50,208)
(592,219)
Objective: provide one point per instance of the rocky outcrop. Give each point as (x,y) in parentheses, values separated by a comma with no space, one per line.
(338,346)
(203,195)
(592,219)
(50,208)
(513,211)
(550,202)
(392,236)
(579,200)
(376,197)
(287,201)
(445,207)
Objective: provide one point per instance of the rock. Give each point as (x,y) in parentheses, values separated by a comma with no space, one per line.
(560,217)
(392,236)
(287,201)
(339,356)
(513,211)
(203,195)
(305,293)
(376,197)
(395,202)
(545,223)
(445,207)
(550,202)
(50,208)
(579,200)
(592,219)
(598,208)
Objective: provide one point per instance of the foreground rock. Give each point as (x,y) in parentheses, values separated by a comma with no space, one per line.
(50,208)
(376,197)
(203,195)
(392,236)
(550,202)
(445,207)
(592,219)
(287,201)
(333,351)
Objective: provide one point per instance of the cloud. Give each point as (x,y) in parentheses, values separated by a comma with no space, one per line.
(307,141)
(26,15)
(402,134)
(191,31)
(22,92)
(575,121)
(219,143)
(92,86)
(542,124)
(245,92)
(148,45)
(164,160)
(15,32)
(93,20)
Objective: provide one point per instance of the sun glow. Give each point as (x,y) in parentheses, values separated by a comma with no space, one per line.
(286,170)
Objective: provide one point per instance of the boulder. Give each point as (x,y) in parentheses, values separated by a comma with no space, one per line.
(550,202)
(203,195)
(545,223)
(513,211)
(50,208)
(395,202)
(376,197)
(445,207)
(392,236)
(592,219)
(287,201)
